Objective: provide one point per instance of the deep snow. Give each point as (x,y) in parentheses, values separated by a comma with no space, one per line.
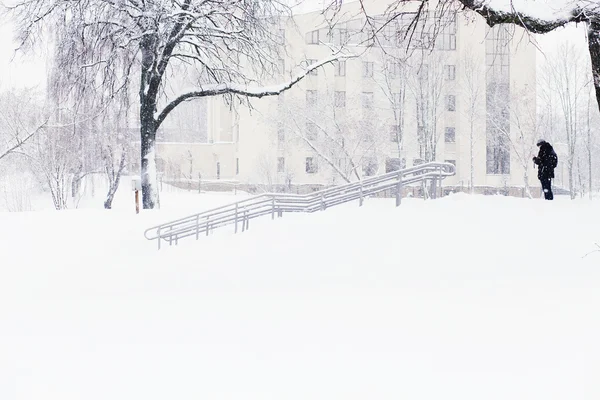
(467,297)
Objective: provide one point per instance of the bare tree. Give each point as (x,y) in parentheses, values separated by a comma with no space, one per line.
(22,117)
(230,45)
(566,81)
(472,83)
(345,133)
(427,86)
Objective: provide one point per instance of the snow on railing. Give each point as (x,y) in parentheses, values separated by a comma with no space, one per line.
(240,213)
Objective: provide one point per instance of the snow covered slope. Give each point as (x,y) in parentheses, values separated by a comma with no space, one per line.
(459,298)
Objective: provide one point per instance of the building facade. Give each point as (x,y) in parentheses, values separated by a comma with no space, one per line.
(458,91)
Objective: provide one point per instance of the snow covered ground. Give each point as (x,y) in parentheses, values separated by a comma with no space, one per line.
(466,297)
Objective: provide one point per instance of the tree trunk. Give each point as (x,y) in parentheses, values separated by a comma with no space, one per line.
(148,159)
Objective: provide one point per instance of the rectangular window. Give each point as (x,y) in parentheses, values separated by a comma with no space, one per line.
(450,72)
(367,69)
(280,164)
(450,135)
(311,131)
(340,36)
(312,37)
(339,99)
(367,99)
(451,102)
(394,69)
(311,97)
(280,134)
(395,133)
(310,62)
(394,164)
(340,68)
(218,170)
(281,36)
(311,165)
(369,166)
(281,66)
(237,166)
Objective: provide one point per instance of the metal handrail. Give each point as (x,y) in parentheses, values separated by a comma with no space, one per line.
(276,204)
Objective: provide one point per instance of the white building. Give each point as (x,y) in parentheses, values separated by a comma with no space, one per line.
(470,101)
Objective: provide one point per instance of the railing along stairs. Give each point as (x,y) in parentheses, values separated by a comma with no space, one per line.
(240,213)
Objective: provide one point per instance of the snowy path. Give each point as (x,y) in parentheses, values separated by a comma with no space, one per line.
(448,299)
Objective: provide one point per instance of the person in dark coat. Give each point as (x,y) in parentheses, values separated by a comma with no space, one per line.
(546,161)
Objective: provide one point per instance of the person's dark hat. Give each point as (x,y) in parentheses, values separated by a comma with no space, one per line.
(540,142)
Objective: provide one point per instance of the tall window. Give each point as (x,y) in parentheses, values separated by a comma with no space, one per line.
(237,166)
(395,133)
(340,68)
(339,98)
(311,97)
(340,36)
(497,54)
(451,102)
(367,100)
(281,36)
(312,37)
(446,38)
(311,61)
(280,164)
(281,66)
(311,131)
(450,135)
(311,165)
(394,69)
(450,72)
(367,69)
(280,135)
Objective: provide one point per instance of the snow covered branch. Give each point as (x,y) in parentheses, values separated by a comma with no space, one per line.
(245,90)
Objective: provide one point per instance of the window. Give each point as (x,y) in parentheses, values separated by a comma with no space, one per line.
(340,36)
(395,133)
(237,166)
(280,164)
(310,62)
(311,131)
(218,170)
(394,69)
(446,38)
(394,164)
(311,97)
(340,68)
(450,135)
(367,69)
(450,72)
(397,98)
(312,37)
(369,166)
(280,135)
(281,36)
(451,102)
(367,99)
(281,66)
(311,165)
(423,71)
(339,99)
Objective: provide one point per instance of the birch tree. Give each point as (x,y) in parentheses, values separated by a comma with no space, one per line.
(231,45)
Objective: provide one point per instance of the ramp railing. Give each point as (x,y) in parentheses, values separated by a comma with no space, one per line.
(241,212)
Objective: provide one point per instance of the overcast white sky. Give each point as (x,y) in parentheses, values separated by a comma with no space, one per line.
(29,70)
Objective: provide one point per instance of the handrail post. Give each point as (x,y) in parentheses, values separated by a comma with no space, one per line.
(360,202)
(247,220)
(207,225)
(440,179)
(197,227)
(399,189)
(159,237)
(322,202)
(236,217)
(273,207)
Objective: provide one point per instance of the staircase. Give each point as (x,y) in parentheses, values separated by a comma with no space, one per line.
(240,213)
